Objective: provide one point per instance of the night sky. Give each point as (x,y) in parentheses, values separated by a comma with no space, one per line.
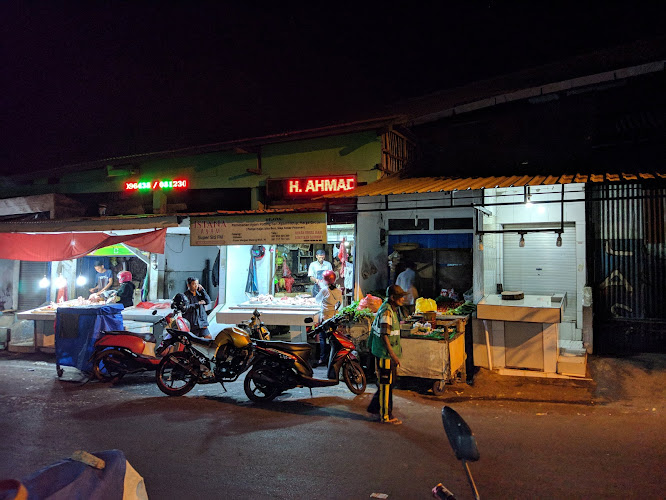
(86,80)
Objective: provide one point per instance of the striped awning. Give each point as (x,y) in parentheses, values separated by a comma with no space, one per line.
(396,185)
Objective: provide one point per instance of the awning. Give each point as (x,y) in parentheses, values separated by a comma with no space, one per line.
(397,185)
(65,246)
(128,222)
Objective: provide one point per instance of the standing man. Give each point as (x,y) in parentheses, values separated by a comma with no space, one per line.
(406,280)
(198,299)
(103,278)
(384,344)
(316,271)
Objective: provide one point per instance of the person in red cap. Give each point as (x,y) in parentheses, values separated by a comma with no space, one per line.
(384,344)
(330,300)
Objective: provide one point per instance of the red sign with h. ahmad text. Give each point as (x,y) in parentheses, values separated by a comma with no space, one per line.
(313,186)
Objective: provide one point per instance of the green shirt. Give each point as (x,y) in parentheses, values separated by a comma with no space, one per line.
(385,315)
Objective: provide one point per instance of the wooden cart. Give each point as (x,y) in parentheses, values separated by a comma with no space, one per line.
(439,360)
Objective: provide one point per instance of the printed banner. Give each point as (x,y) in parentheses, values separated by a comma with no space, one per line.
(258,229)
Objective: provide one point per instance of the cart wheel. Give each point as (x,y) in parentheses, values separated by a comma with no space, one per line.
(439,387)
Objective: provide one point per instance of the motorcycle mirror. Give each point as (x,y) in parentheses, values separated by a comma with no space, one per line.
(460,435)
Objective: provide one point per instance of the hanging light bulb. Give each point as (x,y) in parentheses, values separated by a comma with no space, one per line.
(44,282)
(481,242)
(60,282)
(528,203)
(558,242)
(521,243)
(81,280)
(416,220)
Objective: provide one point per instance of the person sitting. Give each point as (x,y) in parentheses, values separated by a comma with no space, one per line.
(125,294)
(195,312)
(330,300)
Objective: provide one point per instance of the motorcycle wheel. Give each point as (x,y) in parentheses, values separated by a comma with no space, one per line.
(109,365)
(172,378)
(259,392)
(354,376)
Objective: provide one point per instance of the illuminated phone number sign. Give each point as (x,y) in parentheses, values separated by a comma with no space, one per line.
(154,185)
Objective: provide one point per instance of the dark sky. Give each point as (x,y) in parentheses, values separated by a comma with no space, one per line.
(88,80)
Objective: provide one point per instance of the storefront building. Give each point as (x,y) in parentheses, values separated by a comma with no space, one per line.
(242,181)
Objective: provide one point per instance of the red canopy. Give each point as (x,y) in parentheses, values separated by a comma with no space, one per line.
(65,246)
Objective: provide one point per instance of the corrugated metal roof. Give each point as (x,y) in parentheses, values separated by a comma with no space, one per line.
(397,185)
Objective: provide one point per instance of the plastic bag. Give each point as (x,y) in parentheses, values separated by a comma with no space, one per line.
(370,302)
(425,305)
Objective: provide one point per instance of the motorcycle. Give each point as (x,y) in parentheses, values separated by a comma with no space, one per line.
(280,366)
(255,327)
(202,361)
(464,445)
(119,352)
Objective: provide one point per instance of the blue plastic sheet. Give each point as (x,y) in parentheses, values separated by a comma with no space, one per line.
(70,479)
(77,329)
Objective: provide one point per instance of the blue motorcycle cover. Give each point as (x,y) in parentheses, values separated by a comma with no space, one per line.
(77,329)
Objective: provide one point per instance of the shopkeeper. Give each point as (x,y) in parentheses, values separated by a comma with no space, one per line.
(103,278)
(316,271)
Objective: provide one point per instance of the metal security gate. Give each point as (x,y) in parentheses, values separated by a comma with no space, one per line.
(626,226)
(541,267)
(30,295)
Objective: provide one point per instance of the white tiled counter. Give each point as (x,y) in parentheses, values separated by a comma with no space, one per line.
(519,334)
(271,314)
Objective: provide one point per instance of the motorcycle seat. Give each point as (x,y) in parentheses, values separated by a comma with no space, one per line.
(198,340)
(301,349)
(147,337)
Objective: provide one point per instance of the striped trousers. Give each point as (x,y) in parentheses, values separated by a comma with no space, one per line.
(382,401)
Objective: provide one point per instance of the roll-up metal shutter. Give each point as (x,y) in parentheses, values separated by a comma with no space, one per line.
(30,295)
(541,267)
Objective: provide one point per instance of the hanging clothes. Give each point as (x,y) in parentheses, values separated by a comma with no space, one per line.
(215,274)
(205,276)
(251,285)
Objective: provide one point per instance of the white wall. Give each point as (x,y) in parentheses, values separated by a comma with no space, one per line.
(538,213)
(182,261)
(237,268)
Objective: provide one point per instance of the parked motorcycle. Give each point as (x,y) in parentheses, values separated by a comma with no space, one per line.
(119,352)
(280,366)
(202,361)
(464,445)
(255,327)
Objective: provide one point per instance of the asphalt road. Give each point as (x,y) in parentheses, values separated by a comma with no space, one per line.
(212,444)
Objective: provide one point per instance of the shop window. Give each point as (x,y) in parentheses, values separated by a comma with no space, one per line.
(454,223)
(409,224)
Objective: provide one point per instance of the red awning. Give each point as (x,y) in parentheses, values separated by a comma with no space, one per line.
(65,246)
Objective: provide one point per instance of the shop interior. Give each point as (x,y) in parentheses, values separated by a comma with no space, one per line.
(282,270)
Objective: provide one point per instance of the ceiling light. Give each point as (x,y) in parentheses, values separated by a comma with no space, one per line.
(559,240)
(44,282)
(521,243)
(481,242)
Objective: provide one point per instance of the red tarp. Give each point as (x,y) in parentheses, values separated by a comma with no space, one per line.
(65,246)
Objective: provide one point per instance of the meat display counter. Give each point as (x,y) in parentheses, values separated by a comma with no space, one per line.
(286,311)
(136,318)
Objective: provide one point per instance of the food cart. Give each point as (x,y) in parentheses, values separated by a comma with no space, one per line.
(435,352)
